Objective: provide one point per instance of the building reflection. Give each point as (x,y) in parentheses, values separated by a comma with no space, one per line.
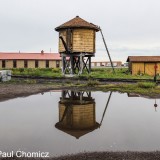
(155,105)
(77,115)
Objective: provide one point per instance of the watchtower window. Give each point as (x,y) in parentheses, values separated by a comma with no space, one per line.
(25,64)
(3,64)
(14,64)
(47,63)
(36,63)
(57,64)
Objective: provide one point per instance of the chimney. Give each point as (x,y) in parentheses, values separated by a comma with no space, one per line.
(42,51)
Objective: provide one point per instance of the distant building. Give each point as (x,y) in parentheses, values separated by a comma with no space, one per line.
(105,63)
(30,60)
(125,64)
(144,65)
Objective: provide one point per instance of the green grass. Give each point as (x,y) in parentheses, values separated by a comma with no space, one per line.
(122,73)
(119,73)
(92,83)
(46,72)
(146,84)
(143,88)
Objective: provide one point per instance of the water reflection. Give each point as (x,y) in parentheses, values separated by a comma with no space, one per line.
(155,105)
(77,115)
(103,121)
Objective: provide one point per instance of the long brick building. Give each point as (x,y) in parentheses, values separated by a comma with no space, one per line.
(30,60)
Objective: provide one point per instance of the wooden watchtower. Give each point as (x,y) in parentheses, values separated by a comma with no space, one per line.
(76,45)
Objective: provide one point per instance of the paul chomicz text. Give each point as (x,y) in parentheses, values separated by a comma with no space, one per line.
(38,154)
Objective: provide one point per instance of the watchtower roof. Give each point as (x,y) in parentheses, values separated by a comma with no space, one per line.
(77,133)
(77,22)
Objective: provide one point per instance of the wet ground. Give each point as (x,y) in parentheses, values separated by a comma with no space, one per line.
(113,156)
(9,91)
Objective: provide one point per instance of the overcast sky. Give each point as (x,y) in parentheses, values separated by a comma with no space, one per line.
(130,27)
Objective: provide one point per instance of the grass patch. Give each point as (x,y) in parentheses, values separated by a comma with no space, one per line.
(30,81)
(46,72)
(92,83)
(121,73)
(143,88)
(146,85)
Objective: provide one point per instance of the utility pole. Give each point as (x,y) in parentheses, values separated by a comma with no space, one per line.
(107,50)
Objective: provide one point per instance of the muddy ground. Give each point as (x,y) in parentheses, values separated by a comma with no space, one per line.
(18,89)
(113,156)
(21,88)
(10,91)
(103,156)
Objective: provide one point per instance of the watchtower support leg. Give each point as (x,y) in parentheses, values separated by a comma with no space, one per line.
(86,64)
(72,65)
(63,64)
(89,64)
(81,63)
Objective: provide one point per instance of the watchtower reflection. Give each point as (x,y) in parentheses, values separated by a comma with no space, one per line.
(77,115)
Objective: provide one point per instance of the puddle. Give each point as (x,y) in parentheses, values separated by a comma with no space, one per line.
(66,122)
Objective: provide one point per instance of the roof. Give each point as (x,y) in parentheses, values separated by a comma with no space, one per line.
(143,59)
(30,56)
(77,133)
(77,22)
(104,61)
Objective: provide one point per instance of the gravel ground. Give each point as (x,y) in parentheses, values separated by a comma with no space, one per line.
(14,90)
(9,91)
(113,156)
(103,156)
